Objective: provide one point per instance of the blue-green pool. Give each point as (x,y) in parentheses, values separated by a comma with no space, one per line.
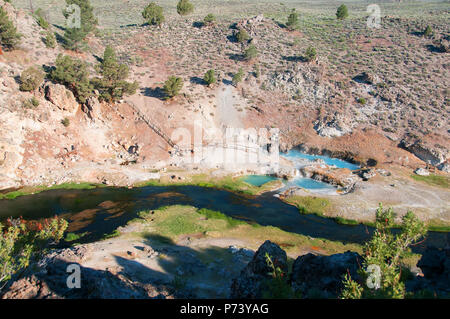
(293,154)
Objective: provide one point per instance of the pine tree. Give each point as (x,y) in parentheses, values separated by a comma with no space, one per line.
(210,77)
(173,86)
(383,254)
(184,7)
(209,19)
(238,77)
(50,40)
(30,79)
(9,37)
(342,12)
(292,22)
(113,85)
(73,37)
(153,14)
(250,53)
(310,54)
(242,36)
(428,32)
(74,74)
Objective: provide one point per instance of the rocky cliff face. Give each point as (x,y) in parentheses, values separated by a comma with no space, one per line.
(50,282)
(315,276)
(311,275)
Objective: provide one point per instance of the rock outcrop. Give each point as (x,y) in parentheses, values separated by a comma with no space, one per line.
(250,283)
(92,108)
(62,98)
(333,126)
(429,152)
(435,266)
(50,282)
(313,274)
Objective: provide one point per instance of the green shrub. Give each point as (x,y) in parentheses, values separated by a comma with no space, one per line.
(250,53)
(310,54)
(65,121)
(31,103)
(115,233)
(238,77)
(9,37)
(184,7)
(362,100)
(210,77)
(173,86)
(41,20)
(24,242)
(428,32)
(242,36)
(112,85)
(209,19)
(277,287)
(50,40)
(74,74)
(31,78)
(74,37)
(153,14)
(383,254)
(342,12)
(73,237)
(292,22)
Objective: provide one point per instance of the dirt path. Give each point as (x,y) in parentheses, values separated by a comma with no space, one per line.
(227,115)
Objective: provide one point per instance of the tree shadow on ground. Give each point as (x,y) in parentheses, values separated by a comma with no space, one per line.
(236,57)
(227,82)
(154,92)
(294,58)
(197,80)
(434,49)
(182,272)
(198,24)
(185,269)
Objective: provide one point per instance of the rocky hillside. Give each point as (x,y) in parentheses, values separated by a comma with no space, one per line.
(370,95)
(311,276)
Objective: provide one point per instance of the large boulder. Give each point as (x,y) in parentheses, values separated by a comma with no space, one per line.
(333,126)
(430,152)
(435,266)
(251,281)
(313,274)
(62,98)
(92,108)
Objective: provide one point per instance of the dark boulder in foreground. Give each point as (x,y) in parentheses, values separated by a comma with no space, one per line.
(311,275)
(321,276)
(435,266)
(250,283)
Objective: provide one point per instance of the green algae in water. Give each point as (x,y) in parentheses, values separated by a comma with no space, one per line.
(258,180)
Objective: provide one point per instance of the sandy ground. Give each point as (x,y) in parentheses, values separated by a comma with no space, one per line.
(398,191)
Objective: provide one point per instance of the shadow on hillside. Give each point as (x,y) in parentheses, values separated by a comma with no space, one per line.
(294,58)
(235,57)
(433,48)
(154,92)
(132,25)
(183,272)
(198,24)
(227,82)
(196,80)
